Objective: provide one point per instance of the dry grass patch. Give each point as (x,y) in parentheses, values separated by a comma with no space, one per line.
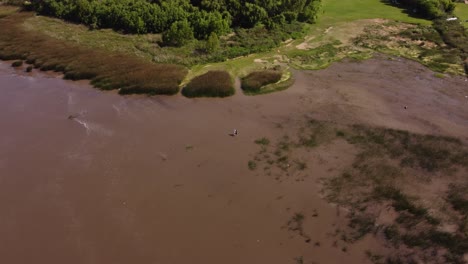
(106,70)
(210,84)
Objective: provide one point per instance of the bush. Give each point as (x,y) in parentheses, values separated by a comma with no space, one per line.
(212,44)
(429,8)
(179,34)
(210,84)
(453,34)
(29,69)
(256,80)
(17,63)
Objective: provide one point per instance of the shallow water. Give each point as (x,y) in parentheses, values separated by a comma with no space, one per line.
(93,177)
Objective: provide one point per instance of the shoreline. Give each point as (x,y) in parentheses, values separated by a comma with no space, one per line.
(152,78)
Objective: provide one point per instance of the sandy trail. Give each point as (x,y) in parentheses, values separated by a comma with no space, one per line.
(160,180)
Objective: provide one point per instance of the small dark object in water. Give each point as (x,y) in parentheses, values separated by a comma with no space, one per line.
(72,117)
(17,63)
(405,107)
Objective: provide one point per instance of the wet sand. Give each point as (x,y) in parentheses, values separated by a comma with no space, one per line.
(135,179)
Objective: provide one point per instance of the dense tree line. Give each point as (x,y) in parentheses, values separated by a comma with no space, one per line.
(428,8)
(180,20)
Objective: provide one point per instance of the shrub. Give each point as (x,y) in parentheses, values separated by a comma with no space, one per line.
(252,165)
(256,80)
(453,34)
(29,68)
(212,44)
(18,63)
(179,34)
(210,84)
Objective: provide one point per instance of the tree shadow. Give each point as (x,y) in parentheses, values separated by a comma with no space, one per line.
(409,10)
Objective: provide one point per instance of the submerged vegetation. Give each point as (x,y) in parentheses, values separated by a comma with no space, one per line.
(380,182)
(389,164)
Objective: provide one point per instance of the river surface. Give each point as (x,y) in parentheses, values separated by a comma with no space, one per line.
(93,177)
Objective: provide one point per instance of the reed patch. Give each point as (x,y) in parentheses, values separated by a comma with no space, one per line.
(106,70)
(210,84)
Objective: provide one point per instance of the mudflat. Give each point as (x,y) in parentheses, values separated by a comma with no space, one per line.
(88,176)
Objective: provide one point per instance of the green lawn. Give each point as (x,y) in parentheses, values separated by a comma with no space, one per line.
(338,11)
(461,11)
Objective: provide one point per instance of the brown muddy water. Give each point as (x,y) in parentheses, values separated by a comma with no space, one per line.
(135,179)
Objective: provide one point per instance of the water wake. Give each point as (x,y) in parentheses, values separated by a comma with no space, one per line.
(84,124)
(93,127)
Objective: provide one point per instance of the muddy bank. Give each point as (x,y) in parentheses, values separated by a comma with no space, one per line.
(134,179)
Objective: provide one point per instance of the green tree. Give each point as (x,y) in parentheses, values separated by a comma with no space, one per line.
(178,34)
(310,11)
(252,15)
(212,44)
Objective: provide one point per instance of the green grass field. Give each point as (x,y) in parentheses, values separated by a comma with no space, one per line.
(335,12)
(461,11)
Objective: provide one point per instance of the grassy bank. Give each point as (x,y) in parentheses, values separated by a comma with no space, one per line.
(354,30)
(106,70)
